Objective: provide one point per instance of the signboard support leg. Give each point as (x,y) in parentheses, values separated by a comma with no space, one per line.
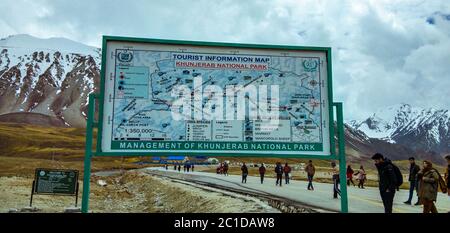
(32,191)
(76,195)
(342,161)
(87,156)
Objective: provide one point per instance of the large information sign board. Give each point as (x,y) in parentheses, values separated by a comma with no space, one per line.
(213,98)
(184,98)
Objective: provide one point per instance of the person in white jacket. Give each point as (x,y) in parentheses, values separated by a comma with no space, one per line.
(336,180)
(361,177)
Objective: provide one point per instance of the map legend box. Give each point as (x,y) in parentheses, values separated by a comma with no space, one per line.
(198,130)
(276,130)
(228,130)
(132,82)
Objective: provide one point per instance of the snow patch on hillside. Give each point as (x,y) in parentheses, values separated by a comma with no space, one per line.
(27,44)
(403,119)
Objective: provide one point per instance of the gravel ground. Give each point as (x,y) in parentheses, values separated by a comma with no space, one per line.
(131,191)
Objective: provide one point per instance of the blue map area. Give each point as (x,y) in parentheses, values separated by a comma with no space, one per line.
(147,116)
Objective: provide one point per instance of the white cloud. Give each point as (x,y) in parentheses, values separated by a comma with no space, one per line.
(384,52)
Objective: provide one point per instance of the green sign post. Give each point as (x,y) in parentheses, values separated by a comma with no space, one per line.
(169,97)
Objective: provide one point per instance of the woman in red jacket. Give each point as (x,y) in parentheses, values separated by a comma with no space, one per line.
(286,170)
(350,175)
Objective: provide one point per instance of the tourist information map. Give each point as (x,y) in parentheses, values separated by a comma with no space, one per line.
(214,99)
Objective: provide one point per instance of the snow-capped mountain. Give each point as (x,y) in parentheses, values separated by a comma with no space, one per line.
(52,77)
(383,123)
(413,127)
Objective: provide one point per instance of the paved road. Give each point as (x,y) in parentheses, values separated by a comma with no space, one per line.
(360,200)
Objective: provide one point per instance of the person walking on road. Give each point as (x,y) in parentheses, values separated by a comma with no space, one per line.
(387,180)
(447,175)
(287,172)
(412,178)
(361,177)
(350,175)
(310,171)
(179,167)
(184,167)
(262,171)
(336,180)
(221,168)
(225,169)
(175,167)
(428,187)
(279,172)
(244,170)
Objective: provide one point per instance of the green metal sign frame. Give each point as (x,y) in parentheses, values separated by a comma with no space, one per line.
(99,98)
(72,190)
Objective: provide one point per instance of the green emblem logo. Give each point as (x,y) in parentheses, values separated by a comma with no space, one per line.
(310,65)
(125,56)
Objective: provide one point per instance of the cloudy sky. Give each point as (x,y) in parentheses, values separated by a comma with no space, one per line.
(385,52)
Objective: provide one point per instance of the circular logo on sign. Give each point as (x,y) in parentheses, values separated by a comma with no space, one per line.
(125,56)
(310,65)
(42,173)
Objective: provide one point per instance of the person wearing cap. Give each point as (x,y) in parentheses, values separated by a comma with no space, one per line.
(387,181)
(336,180)
(412,178)
(428,187)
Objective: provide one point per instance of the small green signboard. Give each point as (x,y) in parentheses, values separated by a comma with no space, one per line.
(52,181)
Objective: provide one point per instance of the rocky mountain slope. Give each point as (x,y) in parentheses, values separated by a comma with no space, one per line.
(423,131)
(47,76)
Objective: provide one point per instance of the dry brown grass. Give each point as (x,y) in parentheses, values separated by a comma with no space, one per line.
(24,167)
(25,147)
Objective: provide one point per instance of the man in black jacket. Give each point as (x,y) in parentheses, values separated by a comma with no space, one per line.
(447,174)
(279,172)
(413,170)
(387,181)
